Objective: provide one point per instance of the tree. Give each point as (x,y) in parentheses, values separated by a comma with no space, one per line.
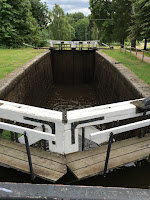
(40,12)
(82,29)
(17,24)
(122,19)
(92,30)
(60,28)
(101,10)
(140,27)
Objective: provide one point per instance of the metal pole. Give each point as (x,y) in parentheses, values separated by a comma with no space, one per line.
(44,142)
(29,156)
(108,153)
(83,138)
(12,136)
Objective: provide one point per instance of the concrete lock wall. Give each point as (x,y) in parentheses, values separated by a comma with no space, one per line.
(28,83)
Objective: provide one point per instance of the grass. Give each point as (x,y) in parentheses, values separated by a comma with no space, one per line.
(7,135)
(11,59)
(141,69)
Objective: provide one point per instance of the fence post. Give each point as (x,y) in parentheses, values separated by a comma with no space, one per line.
(143,56)
(136,52)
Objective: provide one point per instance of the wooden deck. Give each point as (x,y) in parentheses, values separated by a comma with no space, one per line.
(46,165)
(89,163)
(84,164)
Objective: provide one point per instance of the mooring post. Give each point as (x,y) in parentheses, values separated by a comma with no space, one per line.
(108,153)
(29,156)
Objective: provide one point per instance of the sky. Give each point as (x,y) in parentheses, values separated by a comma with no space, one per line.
(70,6)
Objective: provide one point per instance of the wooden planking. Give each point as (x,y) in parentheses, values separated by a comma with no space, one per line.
(47,155)
(122,152)
(46,165)
(102,149)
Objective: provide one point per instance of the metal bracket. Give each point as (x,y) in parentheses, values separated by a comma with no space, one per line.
(51,124)
(75,124)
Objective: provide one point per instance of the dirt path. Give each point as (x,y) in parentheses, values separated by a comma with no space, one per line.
(140,55)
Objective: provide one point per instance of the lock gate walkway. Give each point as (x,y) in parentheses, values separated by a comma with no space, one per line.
(46,165)
(52,166)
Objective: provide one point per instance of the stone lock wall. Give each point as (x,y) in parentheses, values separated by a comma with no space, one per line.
(116,83)
(28,83)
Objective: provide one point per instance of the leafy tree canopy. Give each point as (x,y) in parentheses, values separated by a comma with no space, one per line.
(40,12)
(17,24)
(60,28)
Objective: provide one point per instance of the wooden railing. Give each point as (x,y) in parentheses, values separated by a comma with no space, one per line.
(135,50)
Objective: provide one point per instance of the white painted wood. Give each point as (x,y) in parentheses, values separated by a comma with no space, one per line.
(58,144)
(111,112)
(61,141)
(103,136)
(18,129)
(69,147)
(32,138)
(73,43)
(17,112)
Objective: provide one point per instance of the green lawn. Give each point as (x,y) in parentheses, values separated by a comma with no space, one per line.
(14,58)
(141,69)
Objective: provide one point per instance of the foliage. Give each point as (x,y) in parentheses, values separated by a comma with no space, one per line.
(40,12)
(17,25)
(82,29)
(140,20)
(122,19)
(101,11)
(92,31)
(80,24)
(60,29)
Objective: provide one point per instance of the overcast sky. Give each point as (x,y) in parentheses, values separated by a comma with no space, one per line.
(70,6)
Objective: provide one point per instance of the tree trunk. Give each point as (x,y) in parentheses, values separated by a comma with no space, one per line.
(145,44)
(122,43)
(133,43)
